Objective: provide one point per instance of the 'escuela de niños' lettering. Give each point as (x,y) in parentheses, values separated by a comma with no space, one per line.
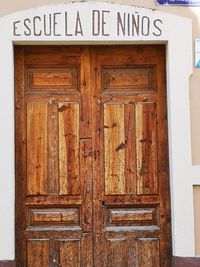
(125,24)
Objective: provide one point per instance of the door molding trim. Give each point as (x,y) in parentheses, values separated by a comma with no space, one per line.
(163,28)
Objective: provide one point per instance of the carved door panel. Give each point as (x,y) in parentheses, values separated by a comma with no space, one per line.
(53,160)
(131,186)
(92,183)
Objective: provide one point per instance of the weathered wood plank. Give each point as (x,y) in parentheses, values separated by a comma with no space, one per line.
(69,148)
(70,253)
(130,149)
(53,79)
(117,254)
(20,156)
(86,96)
(36,149)
(38,253)
(87,250)
(148,252)
(52,148)
(128,79)
(86,160)
(53,217)
(114,142)
(146,148)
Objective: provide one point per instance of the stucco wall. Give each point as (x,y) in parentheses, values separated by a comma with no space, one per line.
(9,6)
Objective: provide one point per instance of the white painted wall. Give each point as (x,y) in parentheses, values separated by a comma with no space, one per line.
(177,34)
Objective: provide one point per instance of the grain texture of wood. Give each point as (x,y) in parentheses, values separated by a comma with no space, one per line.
(148,250)
(129,79)
(55,217)
(117,252)
(70,253)
(20,156)
(92,178)
(53,148)
(37,253)
(86,159)
(123,216)
(36,149)
(146,148)
(53,79)
(69,148)
(130,155)
(86,95)
(114,143)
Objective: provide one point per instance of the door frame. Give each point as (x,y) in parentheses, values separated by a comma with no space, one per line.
(178,43)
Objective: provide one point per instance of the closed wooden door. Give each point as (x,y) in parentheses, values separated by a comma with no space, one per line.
(92,182)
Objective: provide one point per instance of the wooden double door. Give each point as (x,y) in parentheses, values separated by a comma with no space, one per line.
(92,181)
